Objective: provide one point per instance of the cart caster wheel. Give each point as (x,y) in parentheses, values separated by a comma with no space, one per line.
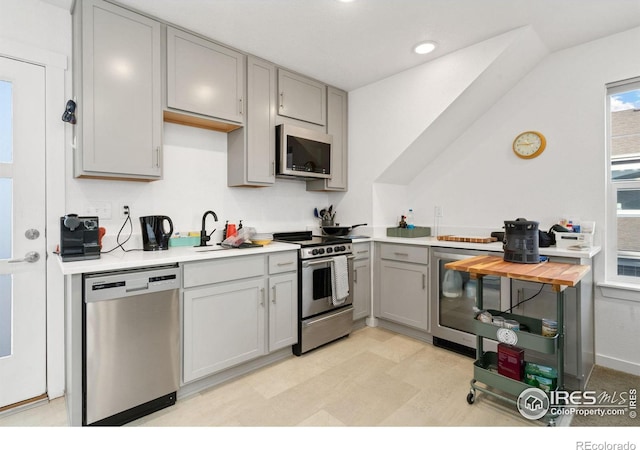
(470,398)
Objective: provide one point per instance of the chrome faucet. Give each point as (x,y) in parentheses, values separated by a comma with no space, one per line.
(204,237)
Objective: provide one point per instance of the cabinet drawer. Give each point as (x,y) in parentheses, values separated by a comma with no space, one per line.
(362,250)
(283,262)
(224,269)
(408,253)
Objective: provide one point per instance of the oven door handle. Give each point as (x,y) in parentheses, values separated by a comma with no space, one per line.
(316,262)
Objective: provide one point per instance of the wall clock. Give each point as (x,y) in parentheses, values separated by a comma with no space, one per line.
(529,144)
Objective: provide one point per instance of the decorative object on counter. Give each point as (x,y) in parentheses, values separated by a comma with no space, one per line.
(326,215)
(154,235)
(529,144)
(240,238)
(204,237)
(403,222)
(411,223)
(409,233)
(262,238)
(184,241)
(224,230)
(521,241)
(337,230)
(69,114)
(475,240)
(230,231)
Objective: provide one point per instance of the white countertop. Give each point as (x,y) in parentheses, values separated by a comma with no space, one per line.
(491,247)
(119,259)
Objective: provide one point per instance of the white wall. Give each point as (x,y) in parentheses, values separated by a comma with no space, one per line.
(480,183)
(195,181)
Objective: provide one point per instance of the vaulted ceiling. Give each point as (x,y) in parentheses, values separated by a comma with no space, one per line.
(352,44)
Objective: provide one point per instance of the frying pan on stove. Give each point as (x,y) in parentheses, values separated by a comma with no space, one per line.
(337,230)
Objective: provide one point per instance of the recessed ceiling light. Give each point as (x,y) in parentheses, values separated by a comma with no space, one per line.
(424,47)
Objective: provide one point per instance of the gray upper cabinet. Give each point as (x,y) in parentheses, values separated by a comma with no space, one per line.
(204,78)
(337,126)
(302,98)
(117,84)
(251,149)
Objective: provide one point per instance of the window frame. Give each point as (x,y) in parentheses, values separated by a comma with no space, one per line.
(611,224)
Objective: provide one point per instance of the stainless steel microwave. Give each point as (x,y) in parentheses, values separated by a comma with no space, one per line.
(302,152)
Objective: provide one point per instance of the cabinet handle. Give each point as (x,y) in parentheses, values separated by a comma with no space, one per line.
(281,100)
(273,168)
(424,282)
(158,157)
(401,254)
(240,106)
(285,263)
(355,276)
(364,251)
(274,295)
(261,296)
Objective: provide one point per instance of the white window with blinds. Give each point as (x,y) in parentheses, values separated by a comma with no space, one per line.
(623,206)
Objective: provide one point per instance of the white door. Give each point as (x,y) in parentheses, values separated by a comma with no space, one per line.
(22,237)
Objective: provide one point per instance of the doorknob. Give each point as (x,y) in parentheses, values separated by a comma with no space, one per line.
(29,257)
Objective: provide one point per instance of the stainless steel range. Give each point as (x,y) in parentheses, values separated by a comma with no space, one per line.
(325,268)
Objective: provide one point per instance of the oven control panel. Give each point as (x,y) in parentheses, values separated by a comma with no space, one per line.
(325,250)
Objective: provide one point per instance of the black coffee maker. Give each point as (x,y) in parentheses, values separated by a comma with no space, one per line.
(154,234)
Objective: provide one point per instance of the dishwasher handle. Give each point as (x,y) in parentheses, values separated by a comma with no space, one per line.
(124,284)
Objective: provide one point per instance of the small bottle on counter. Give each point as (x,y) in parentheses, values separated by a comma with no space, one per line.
(410,220)
(224,231)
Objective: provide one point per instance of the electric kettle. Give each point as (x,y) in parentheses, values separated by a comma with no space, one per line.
(154,234)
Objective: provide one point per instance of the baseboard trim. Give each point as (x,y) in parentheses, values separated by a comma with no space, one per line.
(618,364)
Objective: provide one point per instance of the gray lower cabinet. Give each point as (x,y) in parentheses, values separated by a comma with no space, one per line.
(361,280)
(237,309)
(117,86)
(337,126)
(204,78)
(251,149)
(403,285)
(283,310)
(302,98)
(223,327)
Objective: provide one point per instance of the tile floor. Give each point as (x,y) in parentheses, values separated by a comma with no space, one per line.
(373,378)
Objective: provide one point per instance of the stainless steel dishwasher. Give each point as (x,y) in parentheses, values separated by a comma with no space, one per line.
(131,344)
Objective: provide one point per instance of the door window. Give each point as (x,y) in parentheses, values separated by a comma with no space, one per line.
(6,214)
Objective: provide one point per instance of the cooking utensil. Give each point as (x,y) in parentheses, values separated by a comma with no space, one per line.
(338,230)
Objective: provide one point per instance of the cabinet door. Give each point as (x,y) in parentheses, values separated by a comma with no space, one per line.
(223,326)
(120,108)
(404,293)
(251,150)
(337,126)
(283,311)
(361,288)
(302,98)
(203,77)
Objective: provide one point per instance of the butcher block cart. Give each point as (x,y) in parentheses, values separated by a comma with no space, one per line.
(559,276)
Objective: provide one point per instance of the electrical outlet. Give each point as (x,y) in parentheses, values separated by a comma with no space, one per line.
(125,210)
(438,211)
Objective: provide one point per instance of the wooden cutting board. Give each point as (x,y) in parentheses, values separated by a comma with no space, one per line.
(475,240)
